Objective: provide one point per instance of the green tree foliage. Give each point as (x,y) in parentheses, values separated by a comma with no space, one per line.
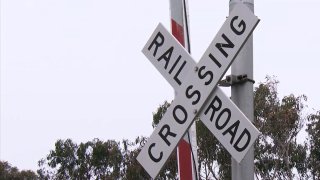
(7,172)
(131,169)
(277,153)
(101,160)
(94,159)
(314,135)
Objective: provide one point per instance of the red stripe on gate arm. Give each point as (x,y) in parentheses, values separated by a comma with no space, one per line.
(177,31)
(185,162)
(184,148)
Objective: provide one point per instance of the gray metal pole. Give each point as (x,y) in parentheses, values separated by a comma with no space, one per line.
(242,96)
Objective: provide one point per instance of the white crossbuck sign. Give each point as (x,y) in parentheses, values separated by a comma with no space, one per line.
(197,91)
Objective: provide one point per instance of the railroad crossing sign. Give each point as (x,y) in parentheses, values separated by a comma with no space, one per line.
(197,92)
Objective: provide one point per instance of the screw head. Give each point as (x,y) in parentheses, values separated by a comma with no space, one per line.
(195,111)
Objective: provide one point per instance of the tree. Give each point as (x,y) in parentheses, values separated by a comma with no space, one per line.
(314,135)
(13,173)
(277,153)
(131,168)
(63,158)
(93,159)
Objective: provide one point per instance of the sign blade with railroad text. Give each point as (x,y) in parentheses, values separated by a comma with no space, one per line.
(219,113)
(202,80)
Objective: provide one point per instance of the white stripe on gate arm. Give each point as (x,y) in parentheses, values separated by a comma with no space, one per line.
(219,113)
(176,15)
(214,63)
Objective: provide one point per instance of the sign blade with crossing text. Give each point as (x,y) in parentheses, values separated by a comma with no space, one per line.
(192,95)
(219,113)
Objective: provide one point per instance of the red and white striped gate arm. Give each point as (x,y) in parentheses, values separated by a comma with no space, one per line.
(187,148)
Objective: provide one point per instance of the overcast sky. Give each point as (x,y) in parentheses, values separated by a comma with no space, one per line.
(74,68)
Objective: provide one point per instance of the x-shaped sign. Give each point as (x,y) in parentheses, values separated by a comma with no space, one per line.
(197,91)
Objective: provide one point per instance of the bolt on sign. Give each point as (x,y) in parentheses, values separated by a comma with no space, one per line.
(198,94)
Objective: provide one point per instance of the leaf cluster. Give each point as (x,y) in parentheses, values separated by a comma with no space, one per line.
(13,173)
(278,155)
(94,159)
(277,152)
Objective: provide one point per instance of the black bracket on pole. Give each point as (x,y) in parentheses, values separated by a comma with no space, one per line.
(233,79)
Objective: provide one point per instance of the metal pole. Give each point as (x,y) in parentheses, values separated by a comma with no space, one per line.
(242,96)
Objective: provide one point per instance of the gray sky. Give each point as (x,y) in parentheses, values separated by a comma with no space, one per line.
(74,69)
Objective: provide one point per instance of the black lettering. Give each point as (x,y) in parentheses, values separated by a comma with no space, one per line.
(213,107)
(233,132)
(220,46)
(183,110)
(178,72)
(175,64)
(189,96)
(157,43)
(239,149)
(226,110)
(166,134)
(166,56)
(214,60)
(241,26)
(204,75)
(151,155)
